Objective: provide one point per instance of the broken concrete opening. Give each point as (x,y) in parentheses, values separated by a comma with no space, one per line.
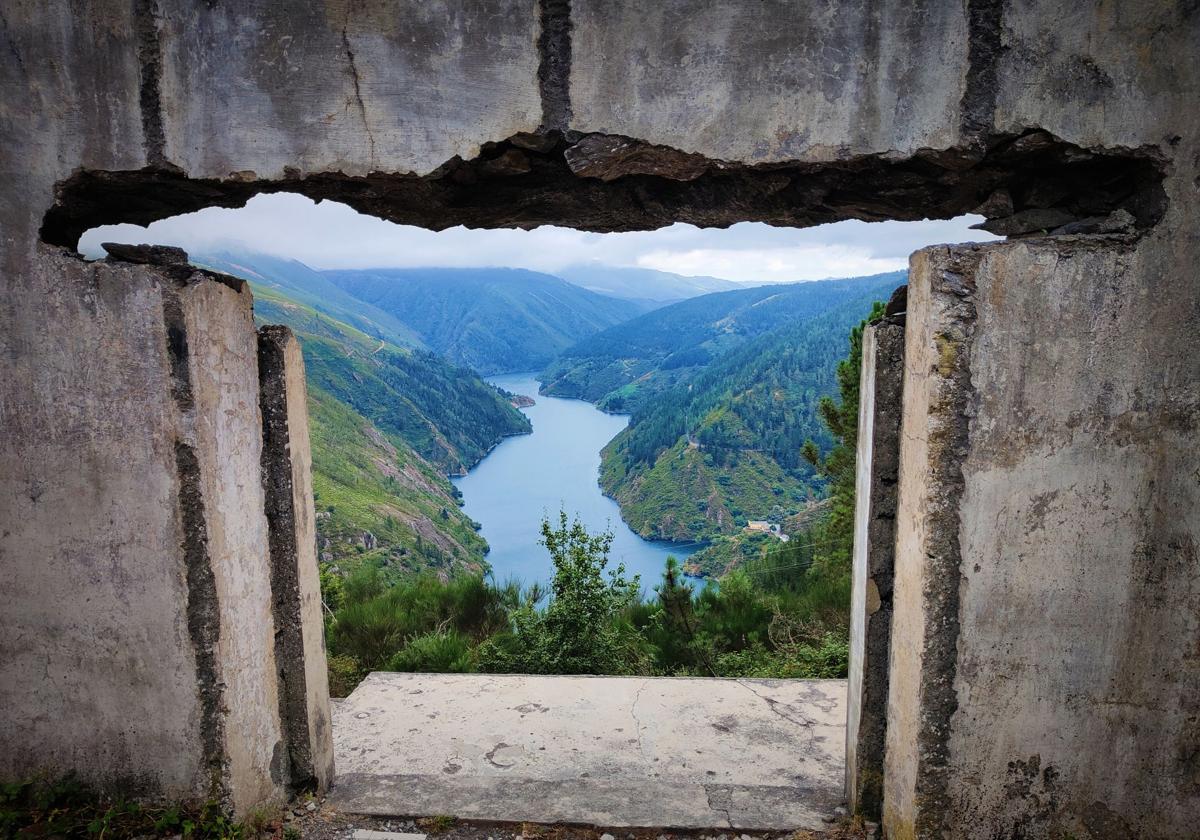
(1043,677)
(1032,185)
(1025,184)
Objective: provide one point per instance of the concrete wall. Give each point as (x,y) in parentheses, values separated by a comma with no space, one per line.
(767,110)
(98,670)
(877,472)
(295,578)
(138,632)
(1047,596)
(224,435)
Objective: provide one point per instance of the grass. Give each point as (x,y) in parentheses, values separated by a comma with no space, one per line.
(54,808)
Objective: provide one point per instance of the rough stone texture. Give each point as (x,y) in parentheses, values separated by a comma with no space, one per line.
(877,465)
(1047,595)
(612,751)
(224,434)
(295,579)
(136,652)
(826,81)
(346,85)
(97,671)
(115,110)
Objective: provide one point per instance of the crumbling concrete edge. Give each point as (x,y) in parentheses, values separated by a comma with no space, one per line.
(303,707)
(202,608)
(883,373)
(554,67)
(953,402)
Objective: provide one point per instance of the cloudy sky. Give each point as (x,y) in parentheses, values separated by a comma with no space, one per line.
(331,235)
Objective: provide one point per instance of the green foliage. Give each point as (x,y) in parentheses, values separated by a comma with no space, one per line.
(387,423)
(447,414)
(780,611)
(65,808)
(440,652)
(580,631)
(841,418)
(299,283)
(375,624)
(344,674)
(742,432)
(625,366)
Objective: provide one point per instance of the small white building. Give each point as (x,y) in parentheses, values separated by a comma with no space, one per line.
(766,527)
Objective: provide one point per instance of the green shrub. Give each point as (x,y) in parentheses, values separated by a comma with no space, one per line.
(344,674)
(583,629)
(440,652)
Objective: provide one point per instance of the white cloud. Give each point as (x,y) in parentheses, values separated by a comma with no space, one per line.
(806,262)
(332,235)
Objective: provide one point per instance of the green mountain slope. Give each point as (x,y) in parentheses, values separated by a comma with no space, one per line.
(625,366)
(723,446)
(493,320)
(387,424)
(303,285)
(447,414)
(379,502)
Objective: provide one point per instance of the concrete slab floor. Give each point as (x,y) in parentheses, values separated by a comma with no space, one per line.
(610,751)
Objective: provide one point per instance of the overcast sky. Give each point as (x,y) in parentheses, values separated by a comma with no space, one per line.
(331,235)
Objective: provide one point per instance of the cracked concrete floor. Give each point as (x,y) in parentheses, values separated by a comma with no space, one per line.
(611,751)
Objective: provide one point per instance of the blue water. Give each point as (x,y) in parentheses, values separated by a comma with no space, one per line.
(557,467)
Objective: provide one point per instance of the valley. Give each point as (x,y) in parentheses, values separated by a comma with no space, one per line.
(722,391)
(469,518)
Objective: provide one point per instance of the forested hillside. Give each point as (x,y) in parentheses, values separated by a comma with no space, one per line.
(447,414)
(380,504)
(625,366)
(387,423)
(493,320)
(300,283)
(723,445)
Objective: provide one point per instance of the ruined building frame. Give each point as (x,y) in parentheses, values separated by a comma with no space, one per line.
(1040,676)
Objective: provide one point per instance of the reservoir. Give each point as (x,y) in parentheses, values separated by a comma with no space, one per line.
(529,477)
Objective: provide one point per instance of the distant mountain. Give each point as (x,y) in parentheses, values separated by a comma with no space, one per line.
(643,283)
(447,414)
(723,447)
(387,424)
(302,284)
(493,320)
(625,366)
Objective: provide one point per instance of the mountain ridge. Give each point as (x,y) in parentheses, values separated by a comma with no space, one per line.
(491,320)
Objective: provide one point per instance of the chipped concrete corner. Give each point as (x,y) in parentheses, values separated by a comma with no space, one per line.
(877,465)
(295,581)
(1046,605)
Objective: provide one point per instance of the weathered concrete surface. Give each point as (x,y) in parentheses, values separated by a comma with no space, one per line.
(347,86)
(141,638)
(1047,598)
(933,111)
(609,751)
(225,436)
(97,670)
(877,465)
(295,579)
(826,80)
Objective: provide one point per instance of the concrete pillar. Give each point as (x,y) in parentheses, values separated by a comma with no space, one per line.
(299,623)
(1044,679)
(877,464)
(137,645)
